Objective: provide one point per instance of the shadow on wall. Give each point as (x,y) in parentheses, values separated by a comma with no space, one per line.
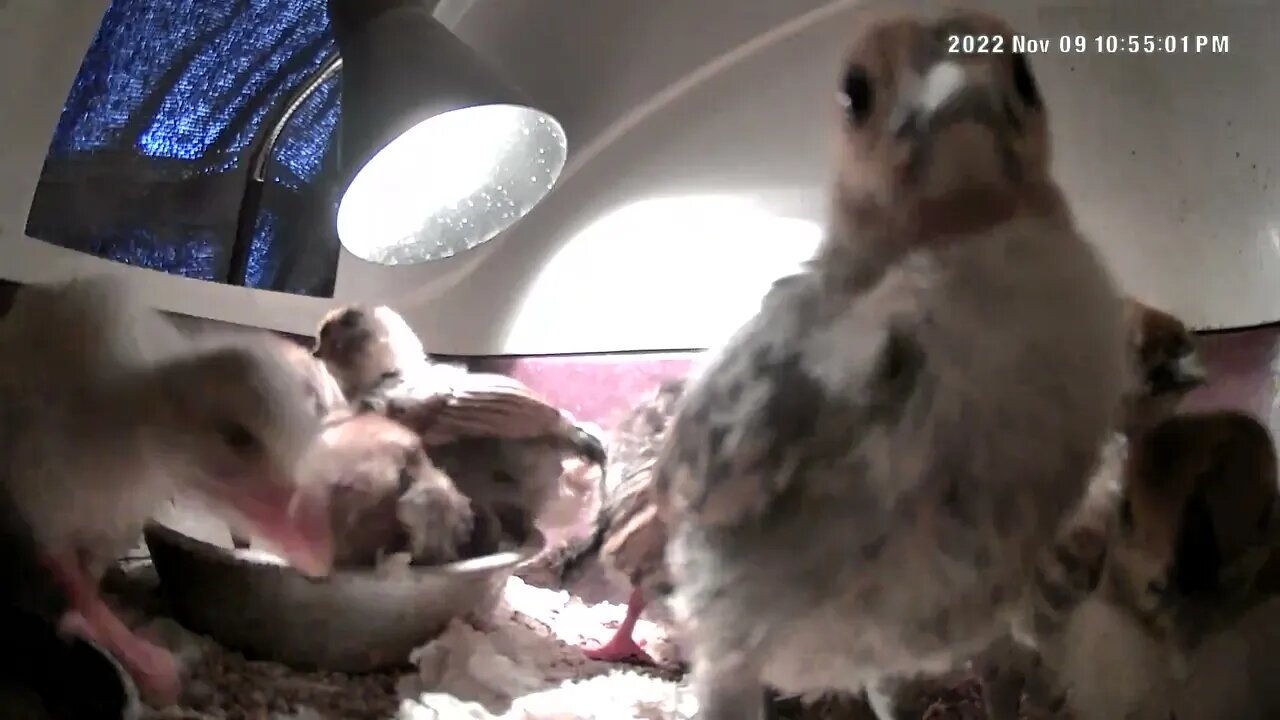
(599,388)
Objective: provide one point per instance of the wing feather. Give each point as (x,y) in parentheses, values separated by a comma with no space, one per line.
(475,405)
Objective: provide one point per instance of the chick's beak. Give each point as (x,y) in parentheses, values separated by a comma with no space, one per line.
(293,522)
(1180,374)
(1189,370)
(949,92)
(313,549)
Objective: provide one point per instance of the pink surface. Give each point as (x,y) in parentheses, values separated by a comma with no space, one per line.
(1243,373)
(595,388)
(1243,367)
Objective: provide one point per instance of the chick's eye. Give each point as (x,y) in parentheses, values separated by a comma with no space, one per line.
(237,436)
(856,94)
(1024,82)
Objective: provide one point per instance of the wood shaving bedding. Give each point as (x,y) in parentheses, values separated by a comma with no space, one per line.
(524,664)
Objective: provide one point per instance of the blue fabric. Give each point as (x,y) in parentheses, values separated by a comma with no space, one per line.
(147,164)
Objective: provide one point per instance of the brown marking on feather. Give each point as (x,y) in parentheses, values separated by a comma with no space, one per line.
(476,405)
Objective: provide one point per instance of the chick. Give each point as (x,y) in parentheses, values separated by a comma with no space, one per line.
(1166,365)
(363,346)
(629,536)
(109,411)
(1197,520)
(859,484)
(502,444)
(384,495)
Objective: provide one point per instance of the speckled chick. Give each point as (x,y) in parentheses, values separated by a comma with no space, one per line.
(502,444)
(385,496)
(1166,365)
(1181,580)
(630,537)
(859,484)
(364,346)
(107,411)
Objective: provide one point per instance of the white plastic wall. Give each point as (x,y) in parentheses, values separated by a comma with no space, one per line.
(700,136)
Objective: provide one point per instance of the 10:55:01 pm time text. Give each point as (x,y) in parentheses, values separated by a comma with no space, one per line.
(1102,44)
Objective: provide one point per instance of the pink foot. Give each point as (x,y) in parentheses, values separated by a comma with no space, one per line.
(621,649)
(152,667)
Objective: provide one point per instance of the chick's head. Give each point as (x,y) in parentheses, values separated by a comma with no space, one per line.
(940,132)
(238,423)
(361,344)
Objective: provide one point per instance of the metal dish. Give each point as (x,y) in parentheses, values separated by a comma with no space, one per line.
(353,621)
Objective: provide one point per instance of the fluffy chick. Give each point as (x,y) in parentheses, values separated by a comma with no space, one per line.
(502,444)
(109,411)
(859,484)
(1166,365)
(1197,521)
(630,537)
(362,346)
(385,496)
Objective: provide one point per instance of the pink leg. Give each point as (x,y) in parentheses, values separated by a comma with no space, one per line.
(152,667)
(622,647)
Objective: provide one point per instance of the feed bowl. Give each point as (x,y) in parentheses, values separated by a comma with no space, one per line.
(356,620)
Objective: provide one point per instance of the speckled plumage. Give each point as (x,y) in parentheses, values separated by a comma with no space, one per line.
(859,483)
(628,535)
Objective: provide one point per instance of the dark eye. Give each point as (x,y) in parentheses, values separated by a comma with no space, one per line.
(237,436)
(1024,82)
(856,94)
(1126,515)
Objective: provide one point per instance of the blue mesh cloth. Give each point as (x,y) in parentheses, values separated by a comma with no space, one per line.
(149,160)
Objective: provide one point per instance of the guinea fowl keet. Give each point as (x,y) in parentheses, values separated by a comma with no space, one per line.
(860,481)
(630,537)
(109,412)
